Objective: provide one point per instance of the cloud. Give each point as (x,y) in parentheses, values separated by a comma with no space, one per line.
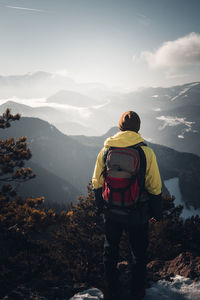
(182,52)
(24,8)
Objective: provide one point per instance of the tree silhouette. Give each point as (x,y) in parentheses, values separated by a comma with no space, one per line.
(20,219)
(13,155)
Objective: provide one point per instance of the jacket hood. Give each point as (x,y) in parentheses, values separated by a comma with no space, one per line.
(123,139)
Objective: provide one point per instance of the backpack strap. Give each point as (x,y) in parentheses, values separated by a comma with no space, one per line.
(143,164)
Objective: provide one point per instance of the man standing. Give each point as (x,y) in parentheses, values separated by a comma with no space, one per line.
(127,187)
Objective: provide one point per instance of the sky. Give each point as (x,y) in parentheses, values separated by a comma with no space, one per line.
(120,43)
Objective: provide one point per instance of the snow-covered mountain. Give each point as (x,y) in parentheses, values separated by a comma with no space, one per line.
(170,116)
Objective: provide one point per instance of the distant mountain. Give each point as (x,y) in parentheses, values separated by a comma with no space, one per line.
(170,116)
(71,98)
(44,84)
(26,110)
(95,141)
(54,151)
(61,118)
(73,158)
(48,185)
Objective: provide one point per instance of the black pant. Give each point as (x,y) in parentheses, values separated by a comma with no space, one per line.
(138,240)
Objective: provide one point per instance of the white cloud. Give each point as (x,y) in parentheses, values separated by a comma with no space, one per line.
(182,52)
(24,8)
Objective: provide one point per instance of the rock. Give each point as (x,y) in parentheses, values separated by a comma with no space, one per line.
(90,294)
(22,292)
(185,264)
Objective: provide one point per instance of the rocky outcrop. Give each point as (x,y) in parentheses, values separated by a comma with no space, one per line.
(185,264)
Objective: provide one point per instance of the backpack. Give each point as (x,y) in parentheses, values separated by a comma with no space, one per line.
(124,177)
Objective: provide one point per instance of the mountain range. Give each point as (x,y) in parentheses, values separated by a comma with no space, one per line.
(72,159)
(61,118)
(169,116)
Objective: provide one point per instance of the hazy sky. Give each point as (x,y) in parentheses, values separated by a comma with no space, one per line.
(126,43)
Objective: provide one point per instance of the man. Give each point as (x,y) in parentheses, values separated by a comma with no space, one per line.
(127,187)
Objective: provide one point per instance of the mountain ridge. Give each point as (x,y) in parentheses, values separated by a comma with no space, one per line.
(72,159)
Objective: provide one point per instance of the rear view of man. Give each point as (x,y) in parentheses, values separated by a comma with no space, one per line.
(127,188)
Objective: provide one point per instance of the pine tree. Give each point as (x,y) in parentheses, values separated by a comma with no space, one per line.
(21,220)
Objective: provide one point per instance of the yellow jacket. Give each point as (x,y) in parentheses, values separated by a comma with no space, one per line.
(126,139)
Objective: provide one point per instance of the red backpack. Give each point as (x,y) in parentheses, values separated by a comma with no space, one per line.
(124,177)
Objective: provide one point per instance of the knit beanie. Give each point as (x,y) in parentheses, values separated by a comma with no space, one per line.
(129,121)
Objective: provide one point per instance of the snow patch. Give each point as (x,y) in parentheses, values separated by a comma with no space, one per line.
(178,288)
(185,90)
(90,294)
(194,84)
(174,189)
(175,121)
(181,93)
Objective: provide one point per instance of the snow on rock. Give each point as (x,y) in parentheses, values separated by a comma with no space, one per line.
(180,136)
(179,288)
(185,264)
(157,109)
(173,186)
(181,93)
(169,121)
(90,294)
(175,121)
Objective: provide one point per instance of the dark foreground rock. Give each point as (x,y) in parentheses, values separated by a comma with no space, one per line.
(35,292)
(185,264)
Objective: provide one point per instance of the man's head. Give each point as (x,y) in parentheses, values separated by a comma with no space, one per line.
(129,121)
